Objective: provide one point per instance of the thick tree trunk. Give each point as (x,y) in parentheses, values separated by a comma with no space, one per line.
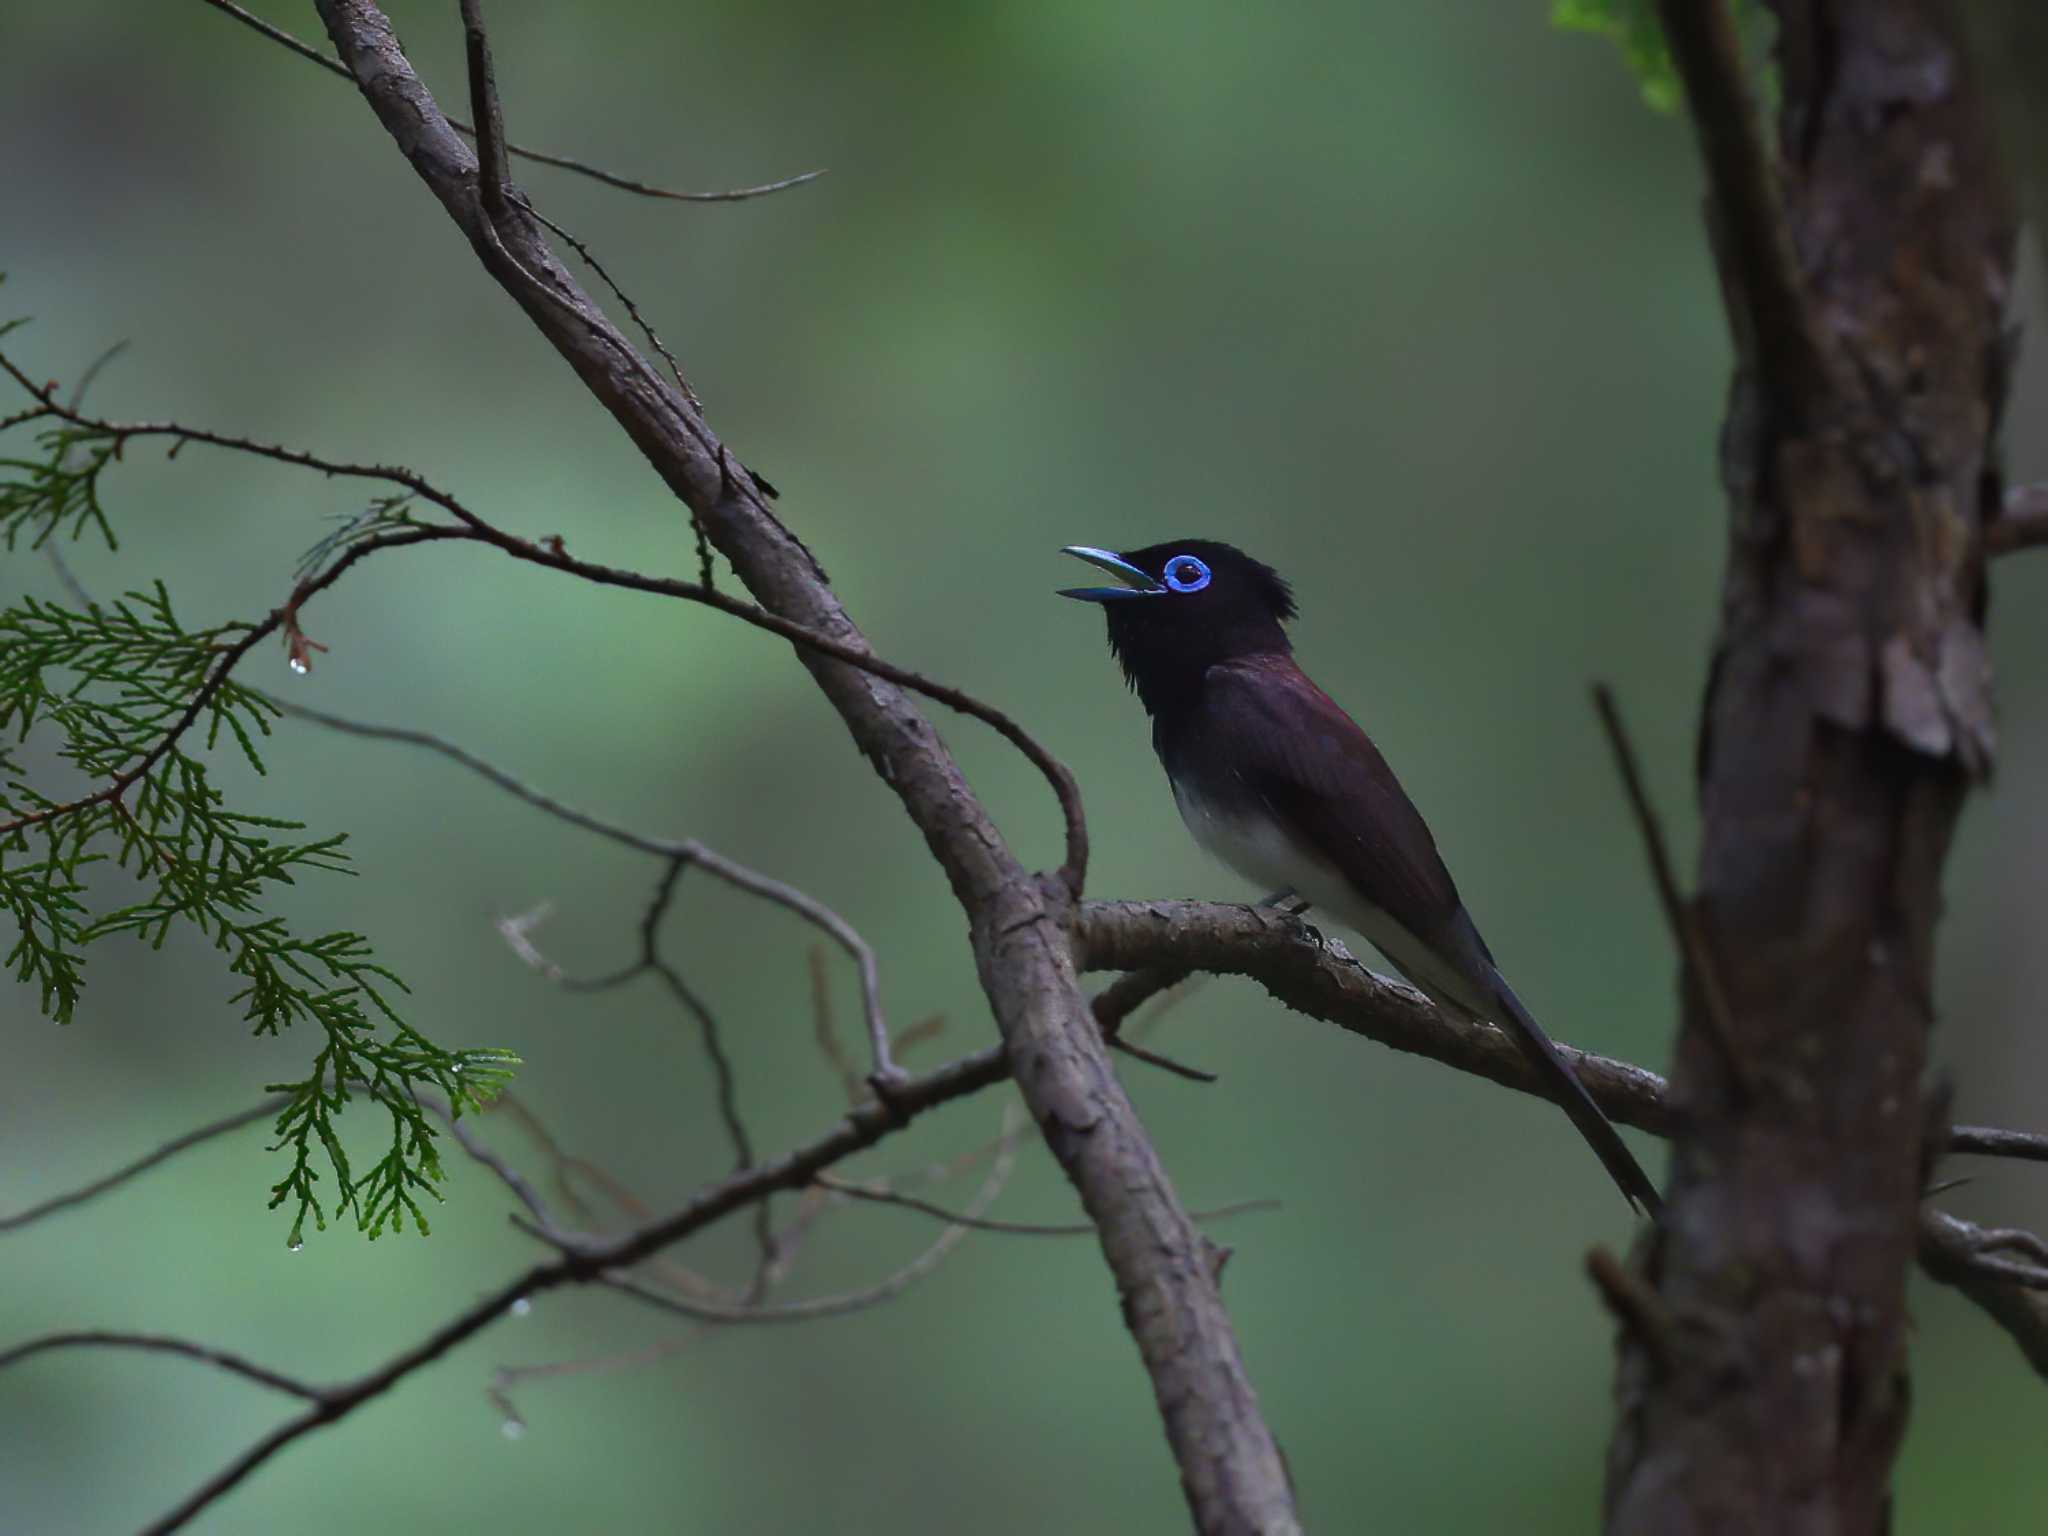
(1847,714)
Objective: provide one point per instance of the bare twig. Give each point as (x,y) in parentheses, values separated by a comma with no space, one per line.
(679,854)
(1949,1251)
(1158,1059)
(540,157)
(1312,975)
(860,1129)
(2021,524)
(24,416)
(1636,1307)
(1987,1141)
(507,1377)
(231,656)
(885,1196)
(1678,912)
(489,131)
(221,1359)
(825,1030)
(846,1302)
(100,1186)
(563,1164)
(1754,243)
(1127,994)
(589,258)
(518,933)
(554,557)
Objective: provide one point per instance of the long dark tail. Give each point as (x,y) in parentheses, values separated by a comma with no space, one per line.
(1569,1092)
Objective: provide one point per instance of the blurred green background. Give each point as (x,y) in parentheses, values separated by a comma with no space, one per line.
(1413,300)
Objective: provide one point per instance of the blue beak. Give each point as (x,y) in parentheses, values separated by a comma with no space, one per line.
(1139,584)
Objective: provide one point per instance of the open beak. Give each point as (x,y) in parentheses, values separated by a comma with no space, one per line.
(1138,584)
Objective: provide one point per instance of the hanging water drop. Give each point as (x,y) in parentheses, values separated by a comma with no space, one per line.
(520,1306)
(295,1245)
(298,665)
(512,1429)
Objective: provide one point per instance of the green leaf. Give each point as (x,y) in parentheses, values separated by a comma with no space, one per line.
(1634,28)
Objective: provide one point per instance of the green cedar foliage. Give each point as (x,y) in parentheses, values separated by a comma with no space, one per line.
(119,694)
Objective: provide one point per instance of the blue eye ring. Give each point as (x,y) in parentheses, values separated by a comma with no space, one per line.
(1186,573)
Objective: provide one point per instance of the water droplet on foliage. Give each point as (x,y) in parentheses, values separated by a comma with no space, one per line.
(521,1306)
(295,1245)
(298,665)
(512,1429)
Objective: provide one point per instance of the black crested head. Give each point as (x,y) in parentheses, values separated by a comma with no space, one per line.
(1186,605)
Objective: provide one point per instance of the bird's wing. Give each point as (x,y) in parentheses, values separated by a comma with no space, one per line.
(1324,780)
(1328,786)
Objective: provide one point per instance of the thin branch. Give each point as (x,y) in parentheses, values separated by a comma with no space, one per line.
(589,258)
(883,1196)
(517,932)
(1987,1141)
(844,1303)
(540,157)
(686,852)
(1678,912)
(824,1031)
(24,416)
(462,1128)
(828,922)
(52,546)
(164,1344)
(1311,974)
(1753,239)
(562,1164)
(551,555)
(1636,1306)
(506,1377)
(230,657)
(1158,1059)
(485,109)
(1128,993)
(860,1129)
(170,1149)
(1231,1467)
(1315,975)
(1949,1251)
(122,431)
(2021,524)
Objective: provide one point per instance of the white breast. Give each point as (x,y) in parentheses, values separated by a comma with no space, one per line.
(1258,848)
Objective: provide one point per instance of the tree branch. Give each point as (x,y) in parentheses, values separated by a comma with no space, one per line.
(552,555)
(1767,294)
(1317,976)
(163,1344)
(2022,523)
(100,1186)
(1231,1468)
(540,157)
(1291,961)
(589,1261)
(231,656)
(1678,913)
(1950,1252)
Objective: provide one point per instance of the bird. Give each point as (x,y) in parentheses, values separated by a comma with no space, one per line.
(1273,778)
